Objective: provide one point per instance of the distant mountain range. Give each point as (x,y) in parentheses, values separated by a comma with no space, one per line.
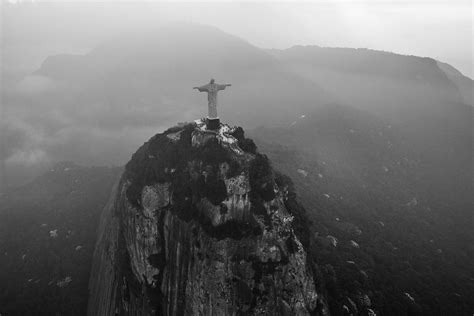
(154,70)
(129,86)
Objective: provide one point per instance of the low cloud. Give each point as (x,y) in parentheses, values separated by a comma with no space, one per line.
(35,84)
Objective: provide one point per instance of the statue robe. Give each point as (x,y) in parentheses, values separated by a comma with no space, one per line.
(211,89)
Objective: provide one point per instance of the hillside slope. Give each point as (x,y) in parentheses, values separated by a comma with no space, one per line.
(383,226)
(47,237)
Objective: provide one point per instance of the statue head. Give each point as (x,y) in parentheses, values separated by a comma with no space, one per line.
(212,80)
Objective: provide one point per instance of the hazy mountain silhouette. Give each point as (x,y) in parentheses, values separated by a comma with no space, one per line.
(384,82)
(463,83)
(157,69)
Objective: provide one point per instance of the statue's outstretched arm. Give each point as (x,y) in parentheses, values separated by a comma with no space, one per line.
(223,86)
(203,88)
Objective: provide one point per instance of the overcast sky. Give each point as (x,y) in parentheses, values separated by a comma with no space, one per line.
(438,29)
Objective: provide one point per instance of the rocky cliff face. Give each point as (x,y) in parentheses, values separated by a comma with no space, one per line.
(200,224)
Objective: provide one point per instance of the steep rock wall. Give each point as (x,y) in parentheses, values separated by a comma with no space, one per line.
(198,226)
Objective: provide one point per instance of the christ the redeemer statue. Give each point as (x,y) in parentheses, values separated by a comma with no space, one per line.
(212,88)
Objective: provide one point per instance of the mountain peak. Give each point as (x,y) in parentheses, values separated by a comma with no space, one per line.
(201,223)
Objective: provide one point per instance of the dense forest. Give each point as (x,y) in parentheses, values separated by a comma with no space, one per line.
(382,236)
(47,238)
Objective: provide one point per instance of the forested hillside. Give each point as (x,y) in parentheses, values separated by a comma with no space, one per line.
(47,237)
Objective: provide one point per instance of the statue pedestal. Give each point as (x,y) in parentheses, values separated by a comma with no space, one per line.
(212,123)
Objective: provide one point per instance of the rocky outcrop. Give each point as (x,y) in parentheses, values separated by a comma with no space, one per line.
(199,226)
